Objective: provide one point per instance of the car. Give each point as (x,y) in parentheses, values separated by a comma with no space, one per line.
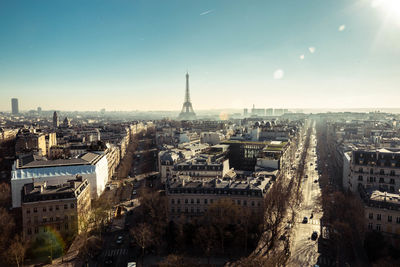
(305,220)
(311,164)
(315,181)
(108,260)
(314,235)
(306,176)
(134,192)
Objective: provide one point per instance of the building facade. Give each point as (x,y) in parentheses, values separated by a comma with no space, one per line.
(189,199)
(91,166)
(62,208)
(376,168)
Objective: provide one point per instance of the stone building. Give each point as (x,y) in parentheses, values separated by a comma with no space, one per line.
(58,207)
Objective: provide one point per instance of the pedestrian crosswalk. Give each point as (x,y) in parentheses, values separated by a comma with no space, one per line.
(310,221)
(116,252)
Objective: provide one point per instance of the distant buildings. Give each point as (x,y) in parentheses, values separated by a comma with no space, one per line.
(55,120)
(62,207)
(14,106)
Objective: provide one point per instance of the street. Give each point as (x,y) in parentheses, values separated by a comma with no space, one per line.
(304,250)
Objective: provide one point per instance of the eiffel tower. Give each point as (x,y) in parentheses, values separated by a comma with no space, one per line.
(187,112)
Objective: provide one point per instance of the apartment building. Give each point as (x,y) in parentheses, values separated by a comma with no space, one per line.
(54,207)
(375,168)
(382,211)
(188,198)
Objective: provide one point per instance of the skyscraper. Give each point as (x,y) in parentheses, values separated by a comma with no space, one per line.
(55,120)
(187,112)
(14,106)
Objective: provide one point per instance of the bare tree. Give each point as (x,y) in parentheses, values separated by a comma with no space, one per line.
(221,214)
(205,239)
(16,251)
(143,236)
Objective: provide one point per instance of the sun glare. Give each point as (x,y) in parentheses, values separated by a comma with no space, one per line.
(390,7)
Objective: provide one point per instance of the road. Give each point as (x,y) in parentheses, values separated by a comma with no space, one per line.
(304,250)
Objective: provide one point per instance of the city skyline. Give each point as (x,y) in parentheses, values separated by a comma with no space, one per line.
(336,54)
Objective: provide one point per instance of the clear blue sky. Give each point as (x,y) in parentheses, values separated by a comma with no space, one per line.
(129,55)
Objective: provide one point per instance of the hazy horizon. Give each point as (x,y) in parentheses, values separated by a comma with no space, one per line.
(133,55)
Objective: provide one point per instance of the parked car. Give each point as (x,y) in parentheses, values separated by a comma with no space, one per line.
(108,260)
(314,235)
(305,220)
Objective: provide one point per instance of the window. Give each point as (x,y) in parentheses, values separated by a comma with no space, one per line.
(378,217)
(398,220)
(72,205)
(211,201)
(378,227)
(44,220)
(44,209)
(72,217)
(382,172)
(36,230)
(66,217)
(57,208)
(198,201)
(371,171)
(192,201)
(172,201)
(238,201)
(173,210)
(28,211)
(51,219)
(371,215)
(58,227)
(65,206)
(179,201)
(389,218)
(66,226)
(34,210)
(381,180)
(244,202)
(370,226)
(371,179)
(252,203)
(392,173)
(57,218)
(205,201)
(392,181)
(360,178)
(44,229)
(29,231)
(50,208)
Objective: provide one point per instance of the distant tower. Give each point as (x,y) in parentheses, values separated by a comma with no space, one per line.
(187,112)
(55,120)
(14,106)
